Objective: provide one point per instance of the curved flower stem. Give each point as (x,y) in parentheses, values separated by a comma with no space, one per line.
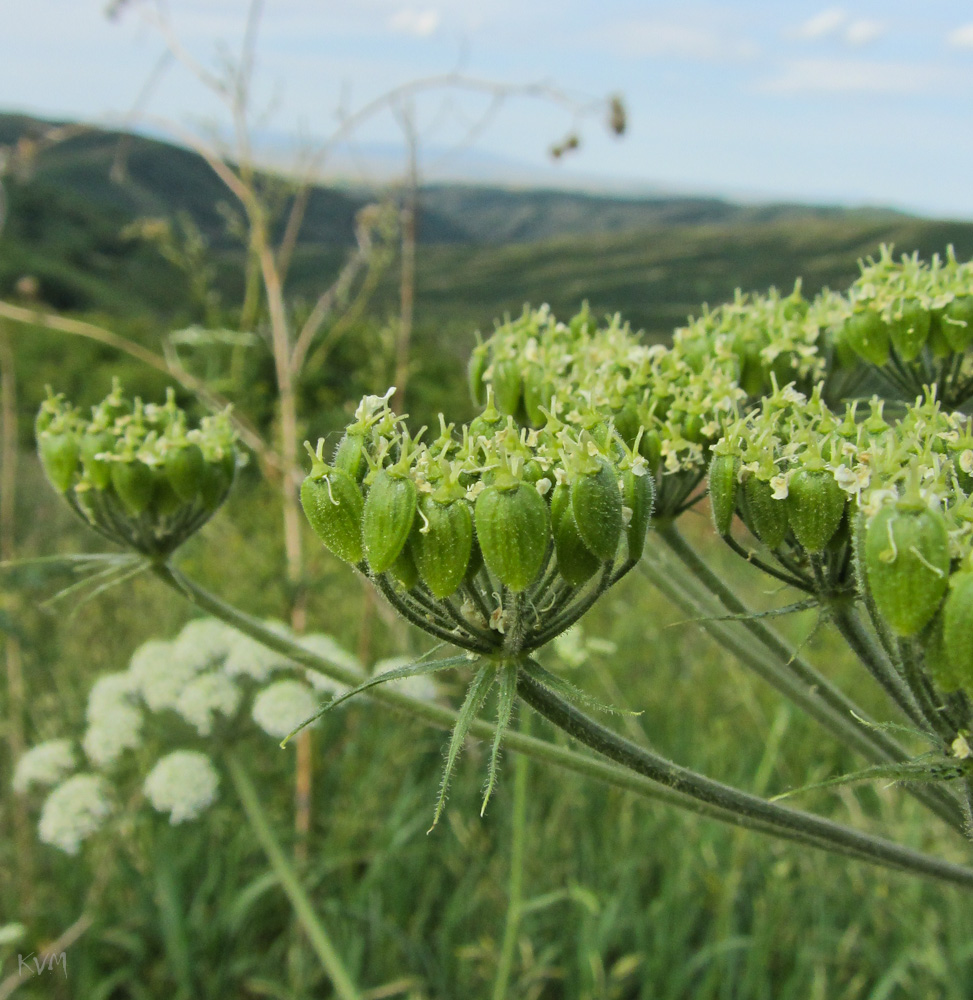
(631,780)
(829,835)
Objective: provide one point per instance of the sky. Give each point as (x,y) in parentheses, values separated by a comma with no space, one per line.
(867,103)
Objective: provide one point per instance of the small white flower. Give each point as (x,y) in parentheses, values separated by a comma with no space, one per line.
(249,658)
(108,735)
(779,484)
(44,765)
(205,697)
(159,675)
(283,706)
(109,692)
(966,461)
(74,811)
(183,784)
(203,641)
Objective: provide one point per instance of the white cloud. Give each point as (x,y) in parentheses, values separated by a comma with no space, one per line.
(961,37)
(645,38)
(863,31)
(418,23)
(851,76)
(828,22)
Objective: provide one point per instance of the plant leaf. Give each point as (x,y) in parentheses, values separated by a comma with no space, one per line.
(932,768)
(570,691)
(505,704)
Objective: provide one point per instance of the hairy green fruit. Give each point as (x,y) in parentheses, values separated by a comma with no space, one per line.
(513,529)
(958,628)
(404,569)
(59,454)
(815,504)
(134,483)
(763,515)
(909,329)
(723,487)
(185,470)
(441,542)
(638,496)
(479,360)
(575,561)
(906,558)
(507,386)
(387,520)
(333,506)
(868,334)
(596,503)
(538,392)
(97,470)
(349,456)
(217,480)
(957,323)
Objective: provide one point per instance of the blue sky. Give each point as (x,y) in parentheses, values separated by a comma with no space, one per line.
(862,103)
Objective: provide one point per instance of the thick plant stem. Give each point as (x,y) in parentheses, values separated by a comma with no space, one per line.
(620,777)
(849,624)
(793,676)
(303,908)
(515,883)
(829,834)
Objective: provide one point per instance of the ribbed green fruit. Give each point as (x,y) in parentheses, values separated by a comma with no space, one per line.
(165,500)
(815,504)
(479,360)
(333,506)
(958,627)
(596,503)
(134,483)
(909,329)
(507,386)
(906,558)
(217,479)
(575,561)
(387,520)
(59,454)
(513,529)
(538,392)
(957,323)
(185,470)
(97,470)
(723,487)
(349,456)
(441,542)
(868,335)
(763,515)
(638,495)
(937,661)
(404,569)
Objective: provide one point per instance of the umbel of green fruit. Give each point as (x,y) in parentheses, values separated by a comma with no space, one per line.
(134,471)
(906,560)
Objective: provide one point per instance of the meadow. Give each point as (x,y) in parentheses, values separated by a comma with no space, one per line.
(621,897)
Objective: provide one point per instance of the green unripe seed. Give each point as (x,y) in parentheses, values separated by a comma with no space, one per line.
(868,335)
(560,502)
(185,470)
(134,483)
(909,329)
(507,386)
(97,470)
(575,561)
(957,323)
(814,504)
(763,515)
(333,506)
(906,559)
(937,660)
(638,496)
(723,487)
(479,361)
(441,542)
(216,481)
(538,392)
(404,569)
(387,520)
(349,456)
(59,454)
(165,500)
(513,528)
(958,628)
(596,503)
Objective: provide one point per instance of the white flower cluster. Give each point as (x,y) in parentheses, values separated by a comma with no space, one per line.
(114,720)
(283,706)
(183,783)
(205,697)
(74,811)
(44,765)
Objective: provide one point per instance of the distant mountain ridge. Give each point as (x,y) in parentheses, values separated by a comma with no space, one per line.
(159,179)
